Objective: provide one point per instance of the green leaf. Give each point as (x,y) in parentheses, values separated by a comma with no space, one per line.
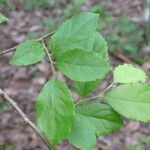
(91,120)
(134,147)
(100,46)
(127,73)
(2,18)
(95,42)
(9,147)
(80,65)
(27,53)
(131,100)
(55,111)
(84,88)
(3,104)
(75,33)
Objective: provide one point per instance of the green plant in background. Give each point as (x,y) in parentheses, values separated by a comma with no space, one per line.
(2,105)
(73,8)
(132,35)
(5,6)
(134,147)
(144,139)
(80,53)
(127,36)
(123,34)
(9,147)
(33,4)
(49,25)
(2,18)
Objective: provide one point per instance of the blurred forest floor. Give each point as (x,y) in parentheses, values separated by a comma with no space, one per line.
(127,41)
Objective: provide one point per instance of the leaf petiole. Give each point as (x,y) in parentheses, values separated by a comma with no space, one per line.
(49,57)
(95,97)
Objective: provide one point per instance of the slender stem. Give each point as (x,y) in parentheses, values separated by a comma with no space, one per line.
(49,57)
(7,50)
(13,48)
(45,36)
(53,148)
(88,99)
(80,100)
(108,87)
(95,97)
(25,118)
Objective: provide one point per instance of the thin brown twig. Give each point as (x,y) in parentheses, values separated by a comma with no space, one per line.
(45,36)
(49,57)
(122,57)
(8,50)
(13,48)
(25,118)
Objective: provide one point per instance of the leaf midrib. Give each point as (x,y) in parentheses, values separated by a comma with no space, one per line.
(65,63)
(95,117)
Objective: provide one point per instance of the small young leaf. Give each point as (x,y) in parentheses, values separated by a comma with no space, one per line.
(75,33)
(55,111)
(27,53)
(2,18)
(91,120)
(80,65)
(131,100)
(84,88)
(127,73)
